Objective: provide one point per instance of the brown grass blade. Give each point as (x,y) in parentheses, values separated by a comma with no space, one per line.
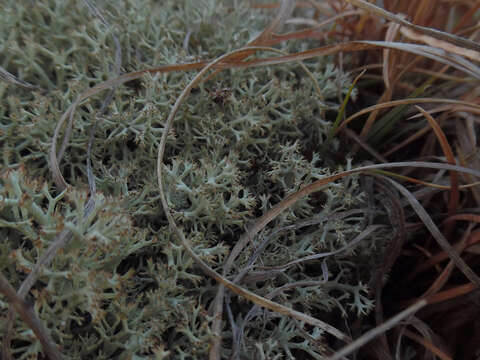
(350,245)
(435,259)
(371,334)
(351,134)
(318,185)
(452,293)
(28,315)
(429,31)
(310,33)
(422,182)
(454,49)
(430,52)
(428,345)
(442,279)
(438,236)
(405,102)
(13,80)
(389,61)
(447,150)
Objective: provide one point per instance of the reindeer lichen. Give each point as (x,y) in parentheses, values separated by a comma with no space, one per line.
(122,287)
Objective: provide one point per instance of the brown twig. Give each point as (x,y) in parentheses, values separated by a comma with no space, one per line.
(28,315)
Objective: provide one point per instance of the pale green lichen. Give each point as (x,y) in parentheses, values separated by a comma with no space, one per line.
(123,288)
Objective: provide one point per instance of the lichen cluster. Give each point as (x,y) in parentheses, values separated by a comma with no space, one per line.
(122,287)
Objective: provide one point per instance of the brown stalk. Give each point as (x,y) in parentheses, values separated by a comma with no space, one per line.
(44,260)
(411,34)
(467,147)
(442,279)
(310,32)
(418,134)
(403,102)
(452,293)
(28,315)
(428,345)
(447,150)
(371,334)
(467,16)
(474,238)
(437,235)
(352,135)
(388,60)
(419,70)
(462,42)
(13,80)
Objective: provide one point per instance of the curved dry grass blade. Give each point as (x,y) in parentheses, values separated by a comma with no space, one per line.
(426,30)
(255,309)
(441,256)
(430,52)
(466,217)
(58,243)
(28,315)
(433,53)
(12,79)
(447,150)
(442,279)
(405,102)
(54,158)
(452,293)
(419,70)
(311,32)
(205,268)
(371,334)
(350,245)
(450,108)
(351,46)
(351,134)
(412,35)
(316,220)
(441,240)
(428,345)
(286,9)
(407,141)
(131,76)
(426,183)
(423,329)
(316,186)
(388,61)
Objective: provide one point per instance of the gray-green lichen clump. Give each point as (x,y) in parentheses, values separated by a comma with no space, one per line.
(123,287)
